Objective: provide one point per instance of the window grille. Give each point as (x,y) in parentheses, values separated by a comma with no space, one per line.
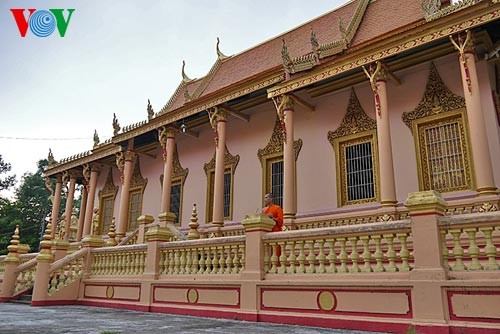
(276,186)
(134,210)
(227,195)
(107,215)
(175,201)
(359,171)
(444,159)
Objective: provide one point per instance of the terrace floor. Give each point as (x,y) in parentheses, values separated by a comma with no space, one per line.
(24,319)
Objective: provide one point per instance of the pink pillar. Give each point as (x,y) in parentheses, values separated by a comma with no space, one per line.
(289,191)
(125,196)
(81,219)
(69,205)
(168,157)
(90,201)
(56,205)
(218,208)
(479,142)
(387,184)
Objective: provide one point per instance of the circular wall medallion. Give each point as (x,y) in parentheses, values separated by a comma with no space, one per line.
(110,292)
(192,296)
(326,300)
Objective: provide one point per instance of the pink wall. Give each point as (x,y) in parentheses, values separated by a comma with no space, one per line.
(316,174)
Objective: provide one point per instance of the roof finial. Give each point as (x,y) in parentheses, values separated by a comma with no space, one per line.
(96,139)
(50,158)
(285,57)
(314,42)
(220,55)
(185,78)
(151,113)
(116,125)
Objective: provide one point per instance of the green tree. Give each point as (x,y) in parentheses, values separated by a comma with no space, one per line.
(9,218)
(8,181)
(32,201)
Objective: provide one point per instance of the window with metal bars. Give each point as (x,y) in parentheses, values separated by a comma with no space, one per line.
(175,201)
(444,156)
(359,171)
(227,195)
(134,209)
(275,180)
(107,213)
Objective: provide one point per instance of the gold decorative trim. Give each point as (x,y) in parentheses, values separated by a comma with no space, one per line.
(81,161)
(437,99)
(354,121)
(339,145)
(137,180)
(230,161)
(275,144)
(183,112)
(109,187)
(433,8)
(419,126)
(411,42)
(108,191)
(356,128)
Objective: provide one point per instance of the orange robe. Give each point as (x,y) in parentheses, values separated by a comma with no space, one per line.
(277,213)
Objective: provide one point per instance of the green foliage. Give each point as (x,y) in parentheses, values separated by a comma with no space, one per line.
(29,210)
(8,181)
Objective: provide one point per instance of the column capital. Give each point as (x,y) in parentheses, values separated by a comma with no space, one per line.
(426,202)
(258,222)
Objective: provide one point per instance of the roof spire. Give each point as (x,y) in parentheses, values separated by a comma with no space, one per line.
(185,78)
(285,57)
(220,55)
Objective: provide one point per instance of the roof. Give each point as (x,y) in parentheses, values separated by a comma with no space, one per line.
(377,20)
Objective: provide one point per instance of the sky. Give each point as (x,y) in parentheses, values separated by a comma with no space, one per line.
(114,57)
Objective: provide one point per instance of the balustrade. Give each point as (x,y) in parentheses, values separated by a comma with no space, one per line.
(471,244)
(338,250)
(222,256)
(124,260)
(66,271)
(25,276)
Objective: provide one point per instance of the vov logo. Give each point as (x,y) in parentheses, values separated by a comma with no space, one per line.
(42,23)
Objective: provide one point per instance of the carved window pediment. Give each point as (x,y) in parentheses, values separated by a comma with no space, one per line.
(230,161)
(355,120)
(275,145)
(437,99)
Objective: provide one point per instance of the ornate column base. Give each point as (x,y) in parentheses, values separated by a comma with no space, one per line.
(60,248)
(390,203)
(215,231)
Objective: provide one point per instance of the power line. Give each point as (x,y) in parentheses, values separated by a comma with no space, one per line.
(33,138)
(20,230)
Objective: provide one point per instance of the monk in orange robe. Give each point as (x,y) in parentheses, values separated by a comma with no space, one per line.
(275,212)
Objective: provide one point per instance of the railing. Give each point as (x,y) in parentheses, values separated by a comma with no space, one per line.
(66,271)
(25,276)
(23,258)
(383,247)
(470,241)
(119,260)
(130,239)
(351,218)
(224,255)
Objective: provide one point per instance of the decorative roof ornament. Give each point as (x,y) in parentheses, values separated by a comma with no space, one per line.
(220,55)
(285,57)
(434,9)
(343,32)
(116,125)
(314,43)
(96,139)
(50,158)
(151,112)
(185,78)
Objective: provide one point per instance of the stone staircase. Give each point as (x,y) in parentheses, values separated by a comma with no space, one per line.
(25,298)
